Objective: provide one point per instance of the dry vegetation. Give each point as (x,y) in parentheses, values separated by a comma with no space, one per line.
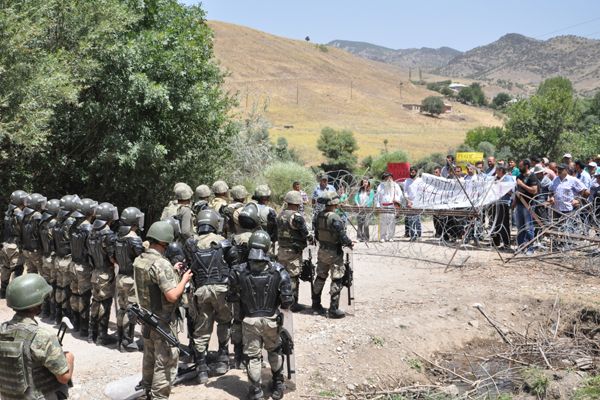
(270,70)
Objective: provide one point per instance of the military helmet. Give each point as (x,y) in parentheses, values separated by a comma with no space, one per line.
(262,191)
(53,207)
(161,231)
(259,244)
(132,216)
(249,217)
(330,198)
(36,201)
(183,191)
(88,207)
(175,225)
(210,218)
(293,197)
(107,212)
(27,291)
(203,191)
(220,187)
(174,253)
(239,192)
(17,198)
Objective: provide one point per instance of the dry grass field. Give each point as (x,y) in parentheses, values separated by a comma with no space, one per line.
(305,87)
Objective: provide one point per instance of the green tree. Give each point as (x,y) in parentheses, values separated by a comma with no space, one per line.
(132,99)
(283,152)
(433,105)
(379,164)
(559,83)
(480,134)
(338,147)
(535,126)
(500,100)
(472,94)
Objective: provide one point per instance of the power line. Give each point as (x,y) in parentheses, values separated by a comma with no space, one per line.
(568,27)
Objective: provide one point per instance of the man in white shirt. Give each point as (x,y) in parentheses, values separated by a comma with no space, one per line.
(412,223)
(388,196)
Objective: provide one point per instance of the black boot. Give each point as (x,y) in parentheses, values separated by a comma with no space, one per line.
(296,307)
(201,367)
(92,330)
(19,270)
(45,309)
(120,338)
(84,327)
(316,304)
(238,351)
(222,364)
(58,314)
(3,287)
(334,311)
(255,392)
(76,320)
(277,387)
(104,339)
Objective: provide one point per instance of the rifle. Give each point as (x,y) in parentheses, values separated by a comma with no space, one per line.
(152,322)
(307,274)
(348,278)
(287,345)
(65,323)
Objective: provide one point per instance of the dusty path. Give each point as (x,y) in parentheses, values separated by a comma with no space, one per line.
(403,306)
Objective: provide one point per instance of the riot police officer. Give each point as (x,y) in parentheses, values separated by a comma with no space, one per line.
(232,210)
(181,209)
(101,246)
(11,257)
(81,270)
(47,271)
(210,257)
(330,231)
(293,235)
(128,246)
(267,215)
(30,232)
(202,195)
(62,260)
(220,200)
(159,289)
(34,364)
(261,286)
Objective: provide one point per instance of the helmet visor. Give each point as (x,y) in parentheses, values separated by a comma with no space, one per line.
(141,219)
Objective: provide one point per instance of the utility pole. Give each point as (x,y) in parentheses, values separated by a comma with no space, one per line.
(246,96)
(409,74)
(350,90)
(420,75)
(297,93)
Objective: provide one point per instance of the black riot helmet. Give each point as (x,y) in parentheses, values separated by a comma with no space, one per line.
(36,201)
(105,213)
(174,253)
(132,216)
(208,221)
(53,207)
(259,244)
(17,198)
(68,204)
(87,207)
(176,225)
(249,217)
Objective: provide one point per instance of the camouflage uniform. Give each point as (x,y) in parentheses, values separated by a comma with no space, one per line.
(30,239)
(81,276)
(47,271)
(62,265)
(292,235)
(217,204)
(154,276)
(42,357)
(11,257)
(184,214)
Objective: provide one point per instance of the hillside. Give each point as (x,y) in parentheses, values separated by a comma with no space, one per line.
(305,87)
(524,60)
(425,57)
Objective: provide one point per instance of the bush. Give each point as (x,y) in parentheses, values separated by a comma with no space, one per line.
(439,86)
(380,163)
(338,147)
(483,134)
(473,95)
(280,176)
(433,105)
(487,149)
(500,100)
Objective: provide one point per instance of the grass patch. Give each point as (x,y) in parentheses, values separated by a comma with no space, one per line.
(377,341)
(535,381)
(590,389)
(415,364)
(328,393)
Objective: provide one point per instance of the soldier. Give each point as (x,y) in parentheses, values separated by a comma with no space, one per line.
(293,236)
(34,364)
(81,270)
(62,260)
(203,195)
(47,271)
(261,286)
(159,289)
(232,210)
(127,247)
(330,231)
(101,246)
(11,258)
(181,209)
(219,189)
(210,256)
(268,216)
(30,232)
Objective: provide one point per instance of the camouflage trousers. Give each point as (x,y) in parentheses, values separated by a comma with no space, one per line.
(62,266)
(291,259)
(81,287)
(47,270)
(10,257)
(329,261)
(103,289)
(261,332)
(210,306)
(32,260)
(159,365)
(125,296)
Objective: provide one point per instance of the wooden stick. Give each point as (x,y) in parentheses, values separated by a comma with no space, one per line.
(462,378)
(506,340)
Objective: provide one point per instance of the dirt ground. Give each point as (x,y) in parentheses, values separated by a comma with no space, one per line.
(403,307)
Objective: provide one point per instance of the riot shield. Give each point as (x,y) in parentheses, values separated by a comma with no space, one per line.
(347,302)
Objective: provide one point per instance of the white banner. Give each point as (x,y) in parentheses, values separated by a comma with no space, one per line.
(433,192)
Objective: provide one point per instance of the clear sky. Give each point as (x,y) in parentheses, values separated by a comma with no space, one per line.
(461,24)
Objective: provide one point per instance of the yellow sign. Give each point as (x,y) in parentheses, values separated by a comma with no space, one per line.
(464,158)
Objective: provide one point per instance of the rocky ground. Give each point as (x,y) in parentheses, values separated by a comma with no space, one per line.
(406,310)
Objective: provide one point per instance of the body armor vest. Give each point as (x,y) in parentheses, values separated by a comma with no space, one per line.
(208,265)
(30,234)
(127,248)
(79,235)
(287,236)
(325,230)
(21,377)
(60,234)
(259,291)
(98,241)
(47,244)
(9,235)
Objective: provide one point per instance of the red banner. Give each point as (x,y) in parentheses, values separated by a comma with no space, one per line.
(400,171)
